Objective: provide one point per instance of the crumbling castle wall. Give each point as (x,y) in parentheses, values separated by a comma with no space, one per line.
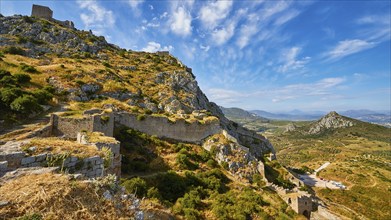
(71,126)
(89,167)
(162,127)
(114,162)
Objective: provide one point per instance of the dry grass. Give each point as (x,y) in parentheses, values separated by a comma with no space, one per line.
(58,146)
(54,196)
(95,137)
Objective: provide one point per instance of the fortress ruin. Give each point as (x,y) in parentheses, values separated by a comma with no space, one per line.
(42,12)
(46,13)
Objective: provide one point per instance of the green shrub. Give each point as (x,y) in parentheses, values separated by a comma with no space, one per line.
(22,78)
(258,180)
(205,155)
(8,95)
(211,163)
(188,204)
(153,192)
(80,82)
(49,89)
(136,185)
(183,161)
(224,165)
(14,50)
(42,96)
(25,104)
(28,19)
(7,81)
(21,40)
(140,117)
(28,68)
(4,73)
(171,186)
(106,64)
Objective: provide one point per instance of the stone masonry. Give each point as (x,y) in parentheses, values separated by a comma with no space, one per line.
(42,12)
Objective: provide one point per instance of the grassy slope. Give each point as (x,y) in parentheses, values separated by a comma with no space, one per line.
(177,170)
(360,158)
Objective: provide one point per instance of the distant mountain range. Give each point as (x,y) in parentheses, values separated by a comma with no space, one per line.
(380,117)
(238,114)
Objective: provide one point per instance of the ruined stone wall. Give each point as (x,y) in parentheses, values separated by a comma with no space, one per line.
(71,126)
(103,123)
(89,167)
(163,128)
(114,165)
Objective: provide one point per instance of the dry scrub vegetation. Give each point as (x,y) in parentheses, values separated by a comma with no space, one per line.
(54,196)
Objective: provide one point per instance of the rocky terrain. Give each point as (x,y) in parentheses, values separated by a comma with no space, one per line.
(329,122)
(95,90)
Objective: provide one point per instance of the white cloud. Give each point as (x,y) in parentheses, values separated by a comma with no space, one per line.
(205,48)
(135,3)
(212,13)
(98,18)
(225,97)
(322,89)
(348,47)
(286,17)
(290,60)
(273,9)
(180,21)
(376,27)
(222,35)
(247,31)
(153,47)
(164,15)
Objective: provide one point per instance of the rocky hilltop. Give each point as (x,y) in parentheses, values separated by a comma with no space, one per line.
(95,110)
(330,121)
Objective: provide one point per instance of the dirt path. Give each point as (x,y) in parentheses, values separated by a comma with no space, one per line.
(29,124)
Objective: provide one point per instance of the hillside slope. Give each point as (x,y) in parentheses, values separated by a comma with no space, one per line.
(359,153)
(45,65)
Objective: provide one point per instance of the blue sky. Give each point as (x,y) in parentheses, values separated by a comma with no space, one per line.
(269,55)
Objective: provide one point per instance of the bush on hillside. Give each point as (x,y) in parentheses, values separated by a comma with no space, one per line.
(25,104)
(8,95)
(14,50)
(28,68)
(136,185)
(22,78)
(42,96)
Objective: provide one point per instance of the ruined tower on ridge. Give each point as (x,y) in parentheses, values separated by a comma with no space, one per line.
(42,12)
(47,13)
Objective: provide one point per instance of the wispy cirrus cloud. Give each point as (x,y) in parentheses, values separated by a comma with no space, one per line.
(134,4)
(96,17)
(212,13)
(347,47)
(291,61)
(322,89)
(375,27)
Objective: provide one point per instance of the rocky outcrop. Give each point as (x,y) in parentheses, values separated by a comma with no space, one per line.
(330,121)
(41,36)
(237,159)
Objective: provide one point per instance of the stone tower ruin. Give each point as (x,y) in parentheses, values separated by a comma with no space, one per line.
(42,12)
